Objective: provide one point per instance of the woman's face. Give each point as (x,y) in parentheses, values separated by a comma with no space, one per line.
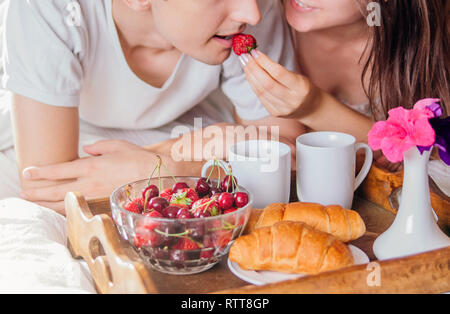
(313,15)
(202,29)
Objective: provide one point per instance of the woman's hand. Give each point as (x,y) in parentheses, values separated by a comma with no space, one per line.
(282,92)
(113,164)
(286,94)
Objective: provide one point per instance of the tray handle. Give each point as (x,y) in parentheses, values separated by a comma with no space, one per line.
(92,238)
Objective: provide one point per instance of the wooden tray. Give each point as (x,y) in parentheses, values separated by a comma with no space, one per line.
(380,187)
(116,267)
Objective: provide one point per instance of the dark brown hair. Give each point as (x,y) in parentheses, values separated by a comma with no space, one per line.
(408,55)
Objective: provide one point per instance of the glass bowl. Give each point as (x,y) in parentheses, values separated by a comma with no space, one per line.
(213,236)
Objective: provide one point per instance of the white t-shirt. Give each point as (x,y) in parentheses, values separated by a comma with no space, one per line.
(48,59)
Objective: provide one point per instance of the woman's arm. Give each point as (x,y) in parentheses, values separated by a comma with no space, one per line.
(291,95)
(44,135)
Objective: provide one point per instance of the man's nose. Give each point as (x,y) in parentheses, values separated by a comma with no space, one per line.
(245,11)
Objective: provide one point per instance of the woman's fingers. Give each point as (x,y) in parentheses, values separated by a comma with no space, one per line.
(266,82)
(285,97)
(274,105)
(275,70)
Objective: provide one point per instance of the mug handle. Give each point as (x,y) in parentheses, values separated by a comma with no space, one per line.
(222,164)
(367,163)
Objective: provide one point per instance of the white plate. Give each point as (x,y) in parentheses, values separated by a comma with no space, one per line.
(260,278)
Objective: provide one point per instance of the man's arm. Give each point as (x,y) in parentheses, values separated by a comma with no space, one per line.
(44,135)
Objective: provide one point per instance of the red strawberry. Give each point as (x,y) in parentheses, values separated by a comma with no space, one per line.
(244,43)
(136,206)
(147,223)
(232,209)
(206,204)
(208,248)
(147,238)
(167,194)
(222,238)
(184,197)
(186,244)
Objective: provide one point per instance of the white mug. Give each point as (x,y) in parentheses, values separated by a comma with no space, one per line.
(262,167)
(326,164)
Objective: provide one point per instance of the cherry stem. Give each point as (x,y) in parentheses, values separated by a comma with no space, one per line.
(174,179)
(180,235)
(127,192)
(151,176)
(213,167)
(218,169)
(148,184)
(159,174)
(234,183)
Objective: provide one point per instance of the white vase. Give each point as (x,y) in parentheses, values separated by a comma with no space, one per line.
(414,229)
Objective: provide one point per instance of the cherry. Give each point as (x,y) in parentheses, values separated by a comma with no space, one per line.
(170,212)
(184,213)
(161,254)
(166,229)
(207,253)
(202,214)
(158,204)
(226,201)
(179,186)
(240,199)
(150,192)
(215,191)
(227,184)
(178,257)
(197,230)
(202,187)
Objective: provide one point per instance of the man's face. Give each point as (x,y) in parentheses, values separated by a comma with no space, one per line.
(202,29)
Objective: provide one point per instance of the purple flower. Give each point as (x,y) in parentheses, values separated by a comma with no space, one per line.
(440,126)
(442,129)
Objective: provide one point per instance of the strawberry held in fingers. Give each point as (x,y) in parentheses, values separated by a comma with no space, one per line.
(244,43)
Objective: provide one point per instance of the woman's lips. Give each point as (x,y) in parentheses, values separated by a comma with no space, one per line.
(301,6)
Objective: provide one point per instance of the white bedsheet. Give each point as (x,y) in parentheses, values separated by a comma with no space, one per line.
(33,253)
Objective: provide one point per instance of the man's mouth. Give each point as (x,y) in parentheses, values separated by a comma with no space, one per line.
(227,37)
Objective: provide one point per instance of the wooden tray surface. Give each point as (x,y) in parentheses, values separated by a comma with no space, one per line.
(116,267)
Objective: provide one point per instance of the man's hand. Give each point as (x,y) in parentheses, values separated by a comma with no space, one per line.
(113,164)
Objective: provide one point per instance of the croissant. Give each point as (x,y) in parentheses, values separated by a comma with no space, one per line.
(345,224)
(290,247)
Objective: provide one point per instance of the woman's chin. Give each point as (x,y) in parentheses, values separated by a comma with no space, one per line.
(302,27)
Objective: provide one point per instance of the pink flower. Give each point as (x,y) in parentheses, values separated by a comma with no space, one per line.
(402,130)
